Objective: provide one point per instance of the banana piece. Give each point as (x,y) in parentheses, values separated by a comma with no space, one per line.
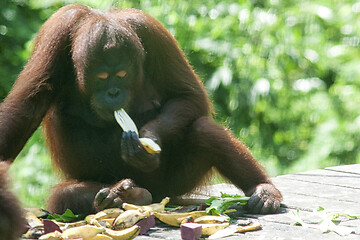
(155,207)
(149,145)
(51,236)
(127,124)
(86,231)
(211,228)
(71,225)
(88,218)
(235,229)
(129,206)
(100,237)
(108,213)
(175,219)
(95,223)
(106,222)
(39,212)
(32,220)
(188,219)
(211,219)
(255,225)
(129,218)
(125,234)
(228,231)
(34,233)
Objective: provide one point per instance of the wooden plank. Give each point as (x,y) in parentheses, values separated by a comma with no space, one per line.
(354,169)
(281,231)
(311,203)
(306,189)
(308,216)
(308,213)
(326,177)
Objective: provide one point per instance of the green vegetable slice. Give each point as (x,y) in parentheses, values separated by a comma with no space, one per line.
(219,205)
(67,216)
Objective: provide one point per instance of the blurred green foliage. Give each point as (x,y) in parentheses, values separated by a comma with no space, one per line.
(284,76)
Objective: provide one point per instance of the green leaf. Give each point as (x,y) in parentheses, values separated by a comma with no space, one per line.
(320,209)
(209,200)
(67,216)
(225,195)
(219,205)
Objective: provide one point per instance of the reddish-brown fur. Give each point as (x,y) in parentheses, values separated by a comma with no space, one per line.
(12,223)
(52,89)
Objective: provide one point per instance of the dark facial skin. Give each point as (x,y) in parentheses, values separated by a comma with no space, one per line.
(110,82)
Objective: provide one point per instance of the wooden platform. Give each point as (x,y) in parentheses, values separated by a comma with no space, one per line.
(335,189)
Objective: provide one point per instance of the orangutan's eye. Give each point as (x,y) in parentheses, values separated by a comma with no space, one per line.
(102,75)
(121,73)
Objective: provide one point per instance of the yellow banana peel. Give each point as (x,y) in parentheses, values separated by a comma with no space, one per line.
(88,218)
(211,219)
(33,220)
(71,225)
(100,236)
(51,236)
(235,229)
(106,222)
(126,234)
(108,213)
(211,228)
(129,218)
(38,212)
(86,231)
(175,219)
(255,225)
(155,207)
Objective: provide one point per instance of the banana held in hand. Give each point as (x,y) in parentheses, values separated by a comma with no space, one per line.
(127,124)
(129,218)
(86,231)
(125,234)
(149,145)
(155,207)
